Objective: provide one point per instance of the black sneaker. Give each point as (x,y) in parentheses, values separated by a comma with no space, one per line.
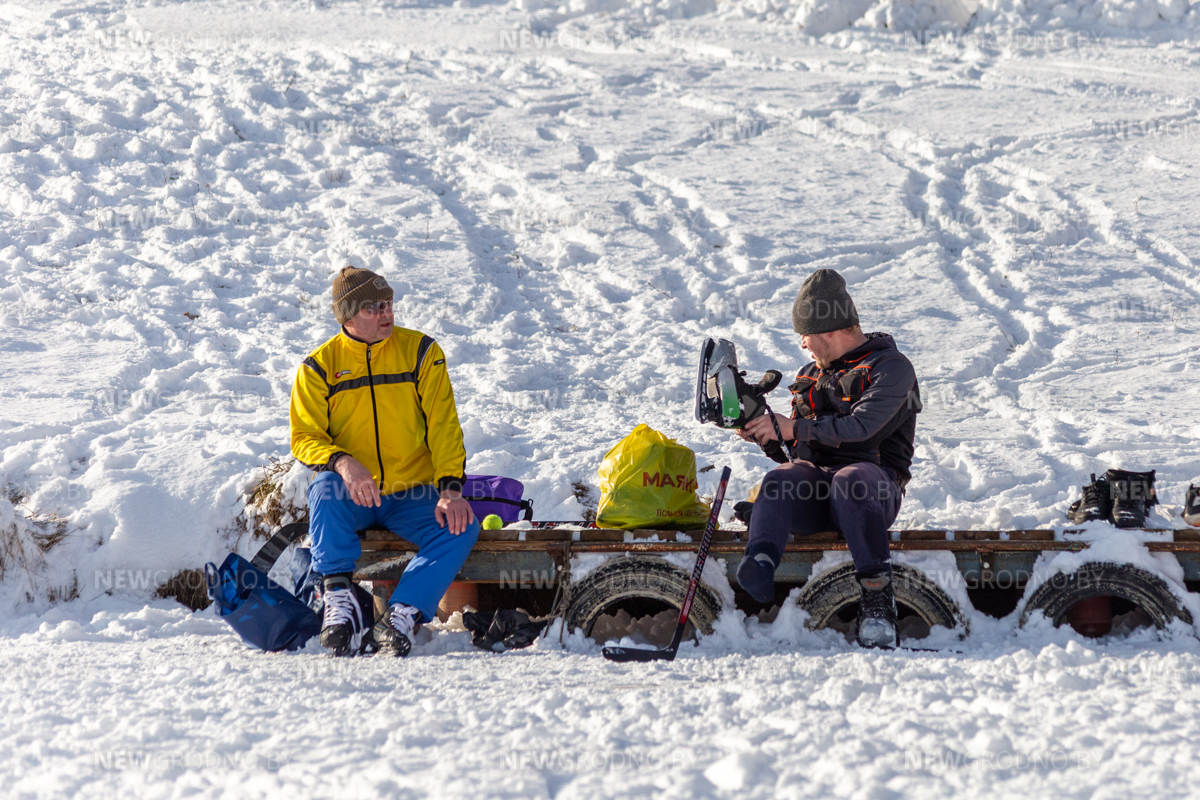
(876,624)
(1096,502)
(1191,507)
(1132,495)
(344,621)
(395,630)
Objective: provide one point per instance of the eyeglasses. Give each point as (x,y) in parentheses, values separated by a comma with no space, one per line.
(375,309)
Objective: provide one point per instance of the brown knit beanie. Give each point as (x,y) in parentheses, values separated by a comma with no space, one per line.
(354,288)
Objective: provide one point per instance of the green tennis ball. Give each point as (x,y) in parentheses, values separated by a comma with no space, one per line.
(492,523)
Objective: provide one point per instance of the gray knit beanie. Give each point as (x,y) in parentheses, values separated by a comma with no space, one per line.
(823,304)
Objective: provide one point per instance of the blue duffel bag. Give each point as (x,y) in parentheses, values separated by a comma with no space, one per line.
(262,612)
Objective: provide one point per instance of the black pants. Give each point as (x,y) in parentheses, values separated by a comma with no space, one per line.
(860,500)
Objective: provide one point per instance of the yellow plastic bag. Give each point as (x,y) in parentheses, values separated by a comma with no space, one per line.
(649,481)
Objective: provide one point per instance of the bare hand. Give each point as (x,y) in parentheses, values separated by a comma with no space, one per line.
(454,510)
(359,481)
(762,431)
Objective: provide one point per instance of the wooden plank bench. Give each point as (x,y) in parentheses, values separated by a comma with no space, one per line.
(501,556)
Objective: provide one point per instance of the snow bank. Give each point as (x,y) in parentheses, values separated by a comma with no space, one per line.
(1011,21)
(819,17)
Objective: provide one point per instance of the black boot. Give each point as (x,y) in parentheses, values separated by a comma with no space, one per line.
(344,619)
(756,574)
(1132,494)
(1096,502)
(1191,507)
(753,394)
(395,630)
(876,625)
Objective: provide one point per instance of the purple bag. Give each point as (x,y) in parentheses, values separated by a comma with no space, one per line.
(493,494)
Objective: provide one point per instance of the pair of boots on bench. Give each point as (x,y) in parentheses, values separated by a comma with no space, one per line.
(1119,496)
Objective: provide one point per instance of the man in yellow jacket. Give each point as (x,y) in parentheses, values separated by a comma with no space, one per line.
(373,414)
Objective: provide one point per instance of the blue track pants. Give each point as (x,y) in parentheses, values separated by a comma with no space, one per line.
(335,519)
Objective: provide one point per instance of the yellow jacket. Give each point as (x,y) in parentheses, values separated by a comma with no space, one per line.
(388,404)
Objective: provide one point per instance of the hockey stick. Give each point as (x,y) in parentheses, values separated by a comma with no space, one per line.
(623,654)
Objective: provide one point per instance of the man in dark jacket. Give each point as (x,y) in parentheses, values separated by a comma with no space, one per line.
(850,438)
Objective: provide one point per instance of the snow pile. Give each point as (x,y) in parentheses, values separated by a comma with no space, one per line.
(1013,19)
(994,19)
(819,17)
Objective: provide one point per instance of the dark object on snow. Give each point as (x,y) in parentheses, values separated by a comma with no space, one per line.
(1191,507)
(1132,495)
(823,304)
(756,574)
(394,632)
(1120,496)
(1096,502)
(830,594)
(262,612)
(349,616)
(508,629)
(723,396)
(493,494)
(876,623)
(742,511)
(624,654)
(1062,591)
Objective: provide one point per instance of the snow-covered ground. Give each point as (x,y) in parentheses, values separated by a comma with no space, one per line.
(569,198)
(156,703)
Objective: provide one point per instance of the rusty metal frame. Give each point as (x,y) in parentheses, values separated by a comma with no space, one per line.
(977,553)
